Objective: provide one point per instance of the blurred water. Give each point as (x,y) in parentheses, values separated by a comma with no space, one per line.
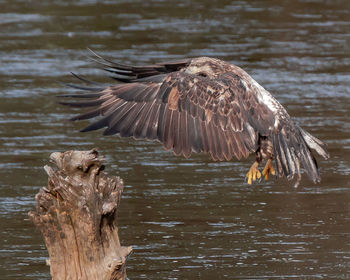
(186,218)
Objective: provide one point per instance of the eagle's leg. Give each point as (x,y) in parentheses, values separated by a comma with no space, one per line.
(253,173)
(268,169)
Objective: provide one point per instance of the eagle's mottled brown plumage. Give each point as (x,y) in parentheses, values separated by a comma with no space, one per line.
(200,105)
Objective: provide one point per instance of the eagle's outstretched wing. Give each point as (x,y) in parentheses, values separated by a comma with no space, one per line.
(198,105)
(186,112)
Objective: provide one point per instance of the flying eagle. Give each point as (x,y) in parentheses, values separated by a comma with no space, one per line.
(201,105)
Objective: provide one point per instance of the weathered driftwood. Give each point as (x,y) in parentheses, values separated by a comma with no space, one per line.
(76,214)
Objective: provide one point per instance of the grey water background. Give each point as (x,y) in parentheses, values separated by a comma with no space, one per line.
(186,218)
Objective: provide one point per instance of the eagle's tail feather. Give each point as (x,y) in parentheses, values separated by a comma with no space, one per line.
(308,162)
(315,143)
(292,150)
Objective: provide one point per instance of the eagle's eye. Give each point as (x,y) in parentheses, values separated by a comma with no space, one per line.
(202,74)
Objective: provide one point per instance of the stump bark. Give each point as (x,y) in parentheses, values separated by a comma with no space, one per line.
(76,214)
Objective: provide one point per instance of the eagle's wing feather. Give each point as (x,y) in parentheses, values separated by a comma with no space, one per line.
(186,112)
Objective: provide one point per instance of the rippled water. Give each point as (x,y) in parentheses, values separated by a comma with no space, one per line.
(186,218)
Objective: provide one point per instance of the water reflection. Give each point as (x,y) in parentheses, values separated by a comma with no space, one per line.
(187,218)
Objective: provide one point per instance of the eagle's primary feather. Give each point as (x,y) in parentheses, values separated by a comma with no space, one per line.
(200,105)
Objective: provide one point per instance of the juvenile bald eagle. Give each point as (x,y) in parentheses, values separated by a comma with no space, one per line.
(201,105)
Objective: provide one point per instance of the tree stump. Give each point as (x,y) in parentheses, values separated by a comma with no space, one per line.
(76,214)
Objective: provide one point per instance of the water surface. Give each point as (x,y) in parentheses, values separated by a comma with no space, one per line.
(186,218)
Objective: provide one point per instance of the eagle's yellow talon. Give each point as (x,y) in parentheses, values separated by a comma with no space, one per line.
(253,173)
(249,180)
(268,169)
(258,174)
